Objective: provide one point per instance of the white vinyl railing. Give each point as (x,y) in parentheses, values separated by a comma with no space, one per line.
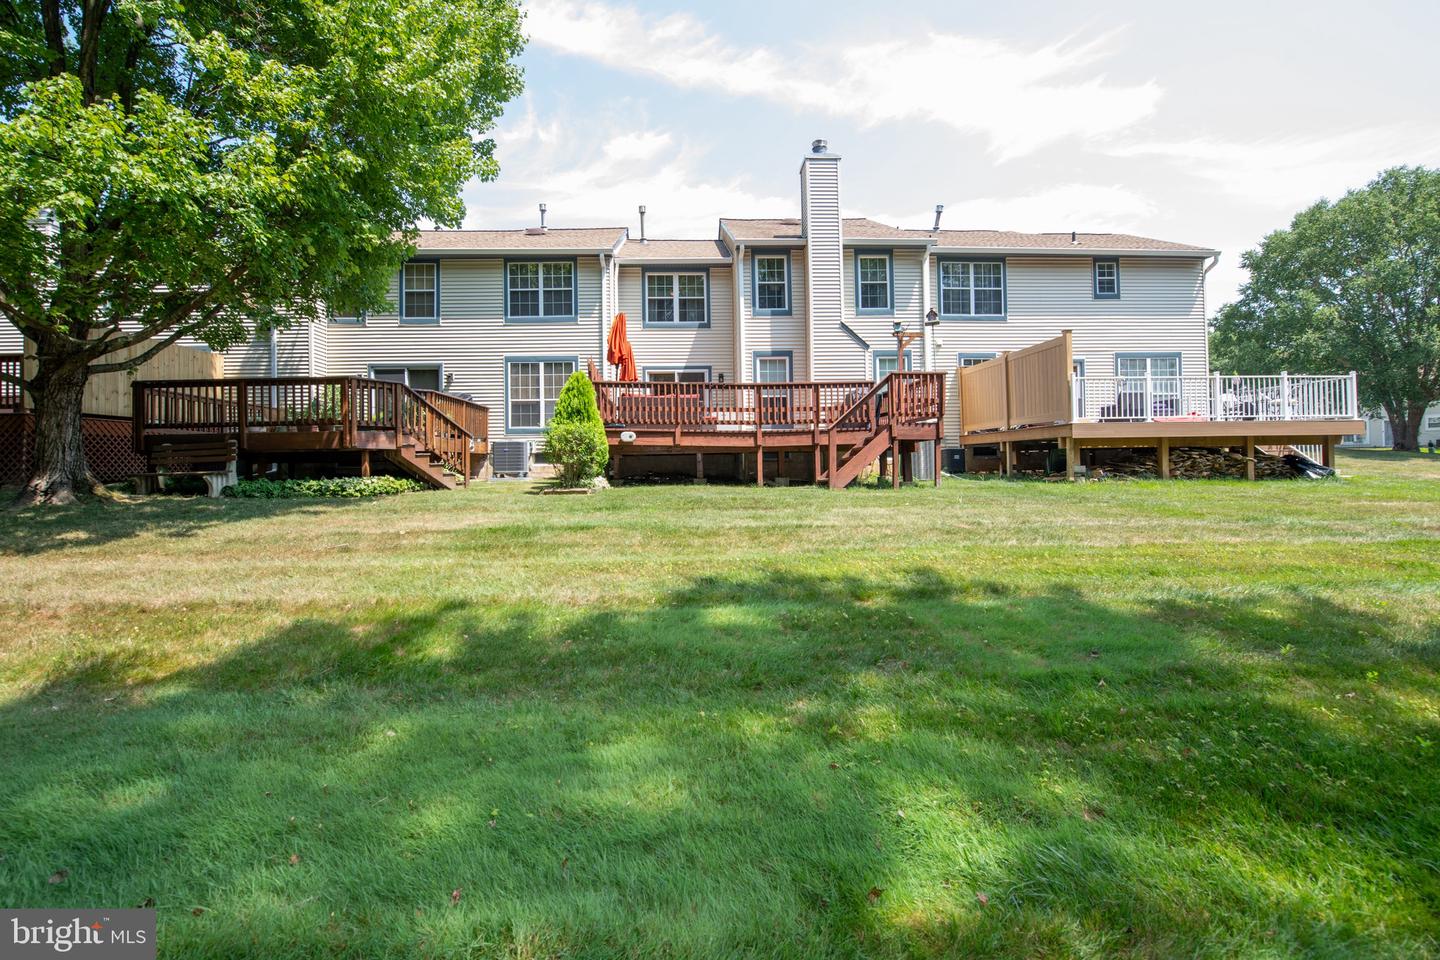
(1283,396)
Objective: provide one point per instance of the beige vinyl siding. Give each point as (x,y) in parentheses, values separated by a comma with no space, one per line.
(1161,310)
(775,333)
(657,347)
(820,216)
(472,339)
(295,353)
(855,362)
(10,339)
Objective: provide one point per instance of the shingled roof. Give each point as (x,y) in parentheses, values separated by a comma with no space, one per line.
(674,251)
(863,228)
(1012,240)
(554,238)
(785,229)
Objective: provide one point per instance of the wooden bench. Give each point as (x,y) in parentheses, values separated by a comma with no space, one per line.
(214,460)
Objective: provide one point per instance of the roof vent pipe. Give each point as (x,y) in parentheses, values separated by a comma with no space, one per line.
(819,146)
(642,224)
(939,209)
(542,216)
(1073,238)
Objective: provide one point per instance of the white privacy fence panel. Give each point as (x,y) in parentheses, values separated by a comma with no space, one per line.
(1279,397)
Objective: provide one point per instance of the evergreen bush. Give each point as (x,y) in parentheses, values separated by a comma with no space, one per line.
(575,439)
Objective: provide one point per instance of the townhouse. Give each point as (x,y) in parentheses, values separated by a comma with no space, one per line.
(504,316)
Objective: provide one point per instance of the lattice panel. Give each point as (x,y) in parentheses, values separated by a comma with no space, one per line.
(14,449)
(108,448)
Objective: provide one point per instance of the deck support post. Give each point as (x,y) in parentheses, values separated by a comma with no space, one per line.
(759,466)
(1327,452)
(364,463)
(816,475)
(937,461)
(894,463)
(699,466)
(1162,454)
(1249,458)
(1072,458)
(1005,458)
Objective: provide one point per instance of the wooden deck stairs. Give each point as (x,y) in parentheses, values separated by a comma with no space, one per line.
(892,416)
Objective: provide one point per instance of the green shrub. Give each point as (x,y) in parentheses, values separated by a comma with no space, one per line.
(575,440)
(264,489)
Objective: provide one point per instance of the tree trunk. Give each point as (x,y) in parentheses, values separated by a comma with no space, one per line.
(1405,420)
(59,471)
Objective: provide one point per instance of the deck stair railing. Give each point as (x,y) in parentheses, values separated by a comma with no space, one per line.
(1280,397)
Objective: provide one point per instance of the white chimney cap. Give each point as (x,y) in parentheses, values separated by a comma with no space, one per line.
(819,146)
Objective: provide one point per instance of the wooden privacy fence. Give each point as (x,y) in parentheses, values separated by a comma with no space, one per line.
(109,394)
(1017,389)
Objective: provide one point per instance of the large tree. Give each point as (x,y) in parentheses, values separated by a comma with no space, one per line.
(194,168)
(1351,285)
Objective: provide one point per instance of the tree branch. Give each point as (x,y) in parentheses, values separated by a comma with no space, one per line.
(140,358)
(90,23)
(54,35)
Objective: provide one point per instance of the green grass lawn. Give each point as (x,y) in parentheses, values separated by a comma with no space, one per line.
(1012,719)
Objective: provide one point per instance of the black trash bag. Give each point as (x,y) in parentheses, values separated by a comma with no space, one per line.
(1305,467)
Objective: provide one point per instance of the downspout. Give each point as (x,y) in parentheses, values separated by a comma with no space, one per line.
(927,354)
(1203,275)
(605,295)
(738,282)
(274,353)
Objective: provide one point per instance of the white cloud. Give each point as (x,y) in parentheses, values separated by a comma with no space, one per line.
(1020,99)
(1292,172)
(585,187)
(1068,206)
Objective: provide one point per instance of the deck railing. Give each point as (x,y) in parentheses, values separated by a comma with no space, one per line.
(12,371)
(346,406)
(1280,397)
(794,406)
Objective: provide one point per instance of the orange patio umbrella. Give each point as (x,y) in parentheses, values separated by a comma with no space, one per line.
(619,353)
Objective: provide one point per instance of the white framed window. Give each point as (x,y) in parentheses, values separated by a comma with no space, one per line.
(772,369)
(421,376)
(1433,423)
(872,282)
(688,375)
(420,291)
(772,284)
(1107,278)
(676,299)
(972,288)
(532,385)
(885,363)
(540,290)
(973,359)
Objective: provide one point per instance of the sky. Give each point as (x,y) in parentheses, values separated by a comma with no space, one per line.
(1211,124)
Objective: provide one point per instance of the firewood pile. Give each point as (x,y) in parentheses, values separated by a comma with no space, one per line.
(1192,463)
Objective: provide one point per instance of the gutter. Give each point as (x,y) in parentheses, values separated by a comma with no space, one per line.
(1073,252)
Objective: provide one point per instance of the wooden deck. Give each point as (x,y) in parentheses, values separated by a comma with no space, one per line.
(436,437)
(845,425)
(1033,396)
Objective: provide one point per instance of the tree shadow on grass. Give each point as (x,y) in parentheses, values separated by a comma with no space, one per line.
(779,765)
